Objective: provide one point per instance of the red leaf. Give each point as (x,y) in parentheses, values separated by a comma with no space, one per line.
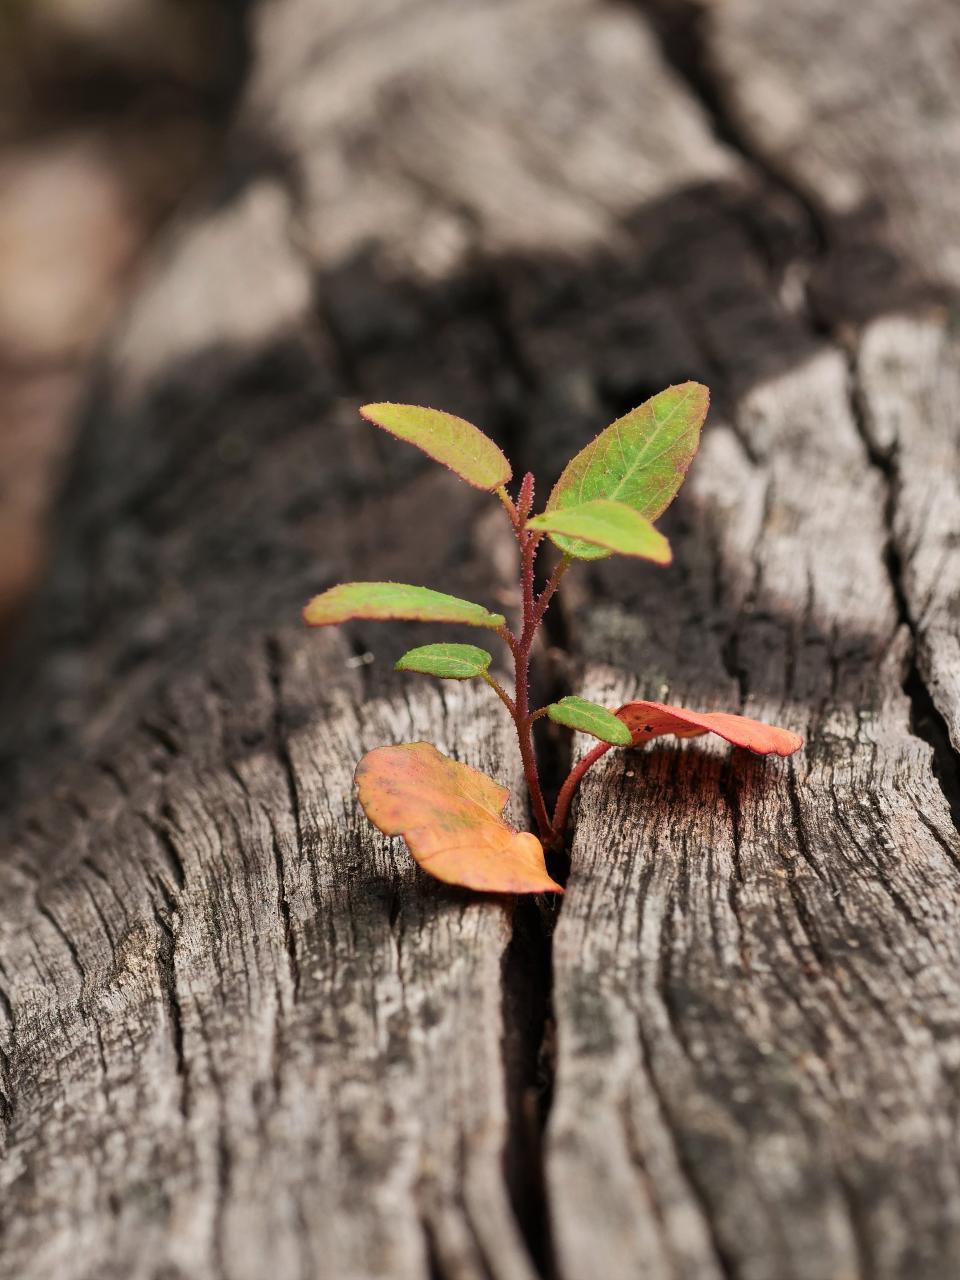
(450,817)
(648,720)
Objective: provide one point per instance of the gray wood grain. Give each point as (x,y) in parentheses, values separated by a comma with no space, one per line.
(881,133)
(239,1034)
(767,953)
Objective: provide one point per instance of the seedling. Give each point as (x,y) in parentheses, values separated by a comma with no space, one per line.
(605,502)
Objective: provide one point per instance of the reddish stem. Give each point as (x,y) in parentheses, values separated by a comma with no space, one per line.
(509,639)
(534,607)
(528,551)
(569,789)
(525,500)
(501,693)
(546,595)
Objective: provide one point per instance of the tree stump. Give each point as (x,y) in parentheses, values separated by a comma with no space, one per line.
(240,1034)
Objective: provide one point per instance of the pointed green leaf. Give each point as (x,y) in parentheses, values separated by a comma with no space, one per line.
(589,717)
(448,661)
(395,600)
(456,443)
(611,525)
(641,460)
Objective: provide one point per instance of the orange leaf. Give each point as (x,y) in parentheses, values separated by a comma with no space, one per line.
(450,817)
(647,720)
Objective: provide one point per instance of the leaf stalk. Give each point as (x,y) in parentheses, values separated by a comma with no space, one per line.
(569,789)
(501,692)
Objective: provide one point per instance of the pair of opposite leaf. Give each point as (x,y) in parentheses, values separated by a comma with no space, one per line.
(604,502)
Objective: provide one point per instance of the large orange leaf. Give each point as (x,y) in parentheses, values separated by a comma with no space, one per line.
(450,817)
(647,720)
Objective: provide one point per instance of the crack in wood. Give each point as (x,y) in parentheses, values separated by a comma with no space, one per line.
(687,1166)
(7,1083)
(683,29)
(283,907)
(528,1021)
(162,828)
(926,719)
(166,972)
(69,945)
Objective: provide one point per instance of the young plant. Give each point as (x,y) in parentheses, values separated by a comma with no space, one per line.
(605,502)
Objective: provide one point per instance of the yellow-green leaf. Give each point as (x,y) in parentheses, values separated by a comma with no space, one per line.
(456,443)
(451,818)
(395,600)
(590,717)
(608,524)
(448,661)
(641,460)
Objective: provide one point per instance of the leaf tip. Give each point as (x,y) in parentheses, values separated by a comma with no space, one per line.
(369,412)
(648,720)
(311,615)
(691,386)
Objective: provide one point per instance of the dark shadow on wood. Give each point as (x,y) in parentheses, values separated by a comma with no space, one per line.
(215,503)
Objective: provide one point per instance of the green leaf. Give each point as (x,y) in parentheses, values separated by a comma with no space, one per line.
(448,661)
(589,717)
(641,460)
(611,525)
(456,443)
(389,600)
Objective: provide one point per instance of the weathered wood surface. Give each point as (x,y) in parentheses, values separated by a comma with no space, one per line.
(239,1035)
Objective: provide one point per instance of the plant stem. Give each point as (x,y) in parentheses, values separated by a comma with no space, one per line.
(525,500)
(528,551)
(530,768)
(569,789)
(509,639)
(501,692)
(546,595)
(521,646)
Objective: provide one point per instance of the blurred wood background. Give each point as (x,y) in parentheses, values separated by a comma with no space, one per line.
(109,111)
(240,1034)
